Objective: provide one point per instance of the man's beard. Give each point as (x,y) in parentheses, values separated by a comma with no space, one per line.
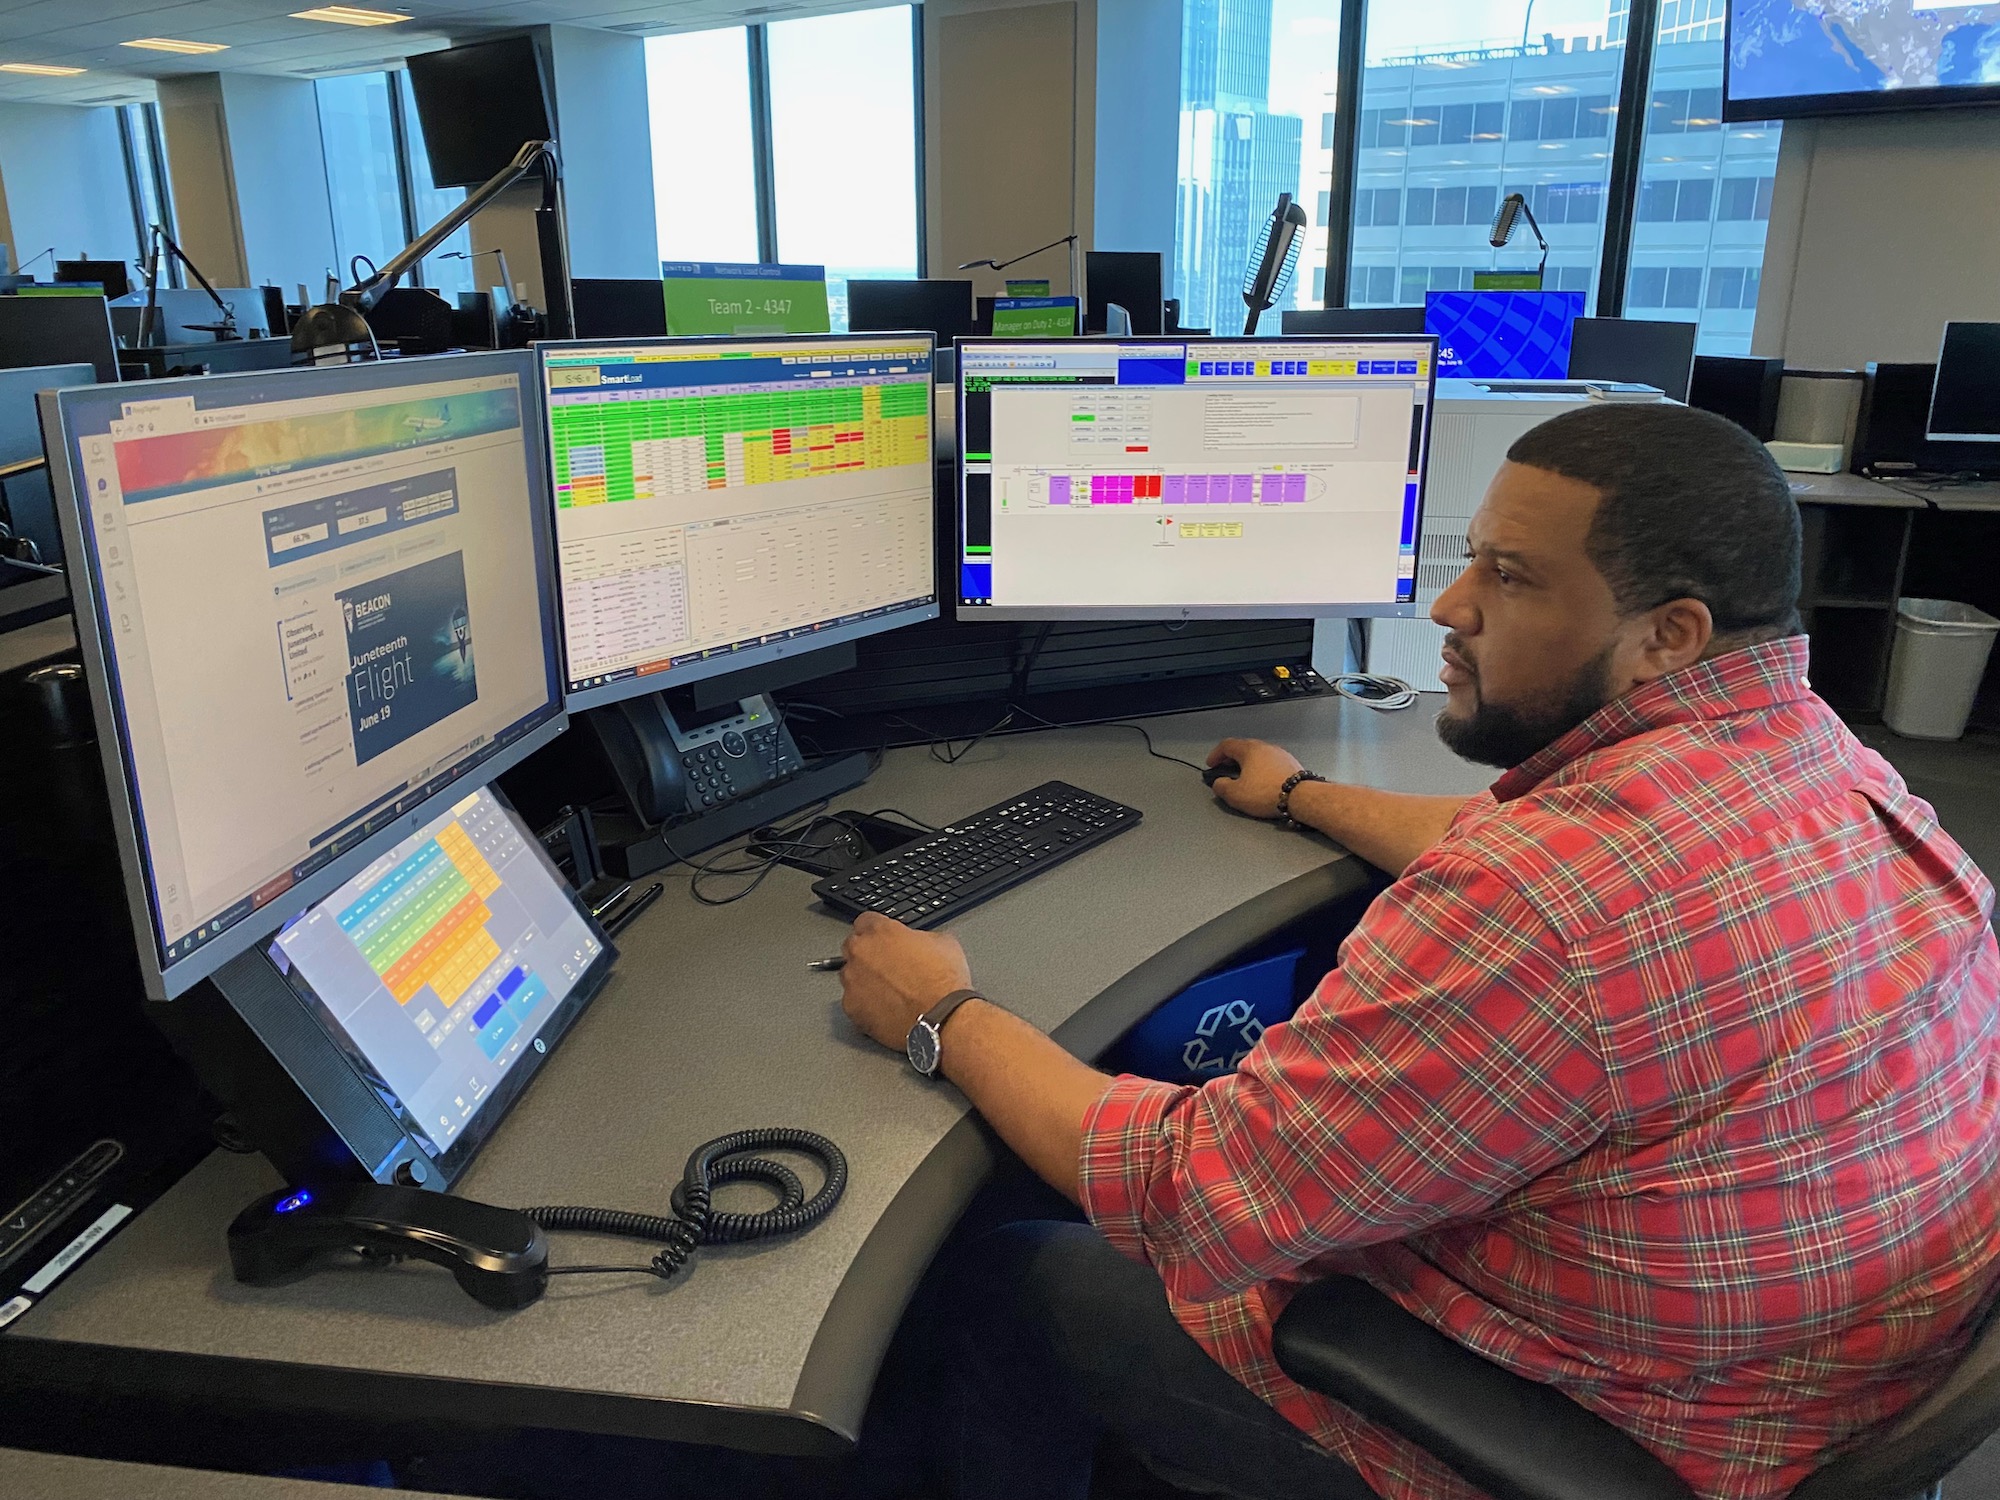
(1505,735)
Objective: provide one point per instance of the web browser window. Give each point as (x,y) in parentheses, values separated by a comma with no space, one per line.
(322,601)
(1164,479)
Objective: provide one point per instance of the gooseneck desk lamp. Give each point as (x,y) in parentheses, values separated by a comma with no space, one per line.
(1513,209)
(1272,260)
(332,331)
(1075,278)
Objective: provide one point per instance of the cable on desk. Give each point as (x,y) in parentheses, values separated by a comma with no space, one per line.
(695,1221)
(1144,734)
(1372,690)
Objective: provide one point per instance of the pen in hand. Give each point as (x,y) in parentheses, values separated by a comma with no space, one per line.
(828,965)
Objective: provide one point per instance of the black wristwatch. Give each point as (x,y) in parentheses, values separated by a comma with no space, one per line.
(1292,784)
(925,1042)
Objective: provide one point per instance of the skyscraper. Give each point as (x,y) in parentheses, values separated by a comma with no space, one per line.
(1236,157)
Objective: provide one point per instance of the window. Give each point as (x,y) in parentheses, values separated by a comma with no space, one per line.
(1252,77)
(1453,121)
(362,172)
(843,146)
(704,170)
(145,150)
(840,172)
(1704,191)
(1325,204)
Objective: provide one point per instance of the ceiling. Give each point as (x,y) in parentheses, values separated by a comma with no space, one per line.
(263,37)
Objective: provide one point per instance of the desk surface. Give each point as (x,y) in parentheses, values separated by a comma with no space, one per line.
(1850,489)
(1956,497)
(711,1023)
(51,1476)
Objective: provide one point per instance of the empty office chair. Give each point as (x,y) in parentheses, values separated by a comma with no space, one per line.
(1520,1440)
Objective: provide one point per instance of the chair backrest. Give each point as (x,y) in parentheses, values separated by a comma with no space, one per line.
(1929,1440)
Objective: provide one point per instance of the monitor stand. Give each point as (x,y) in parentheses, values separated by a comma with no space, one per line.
(705,764)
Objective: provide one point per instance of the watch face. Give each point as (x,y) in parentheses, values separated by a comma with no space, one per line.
(923,1048)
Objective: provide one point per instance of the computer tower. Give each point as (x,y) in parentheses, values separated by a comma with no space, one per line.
(1889,437)
(1742,388)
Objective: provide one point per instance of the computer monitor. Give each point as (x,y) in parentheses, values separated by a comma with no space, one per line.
(188,315)
(1174,479)
(27,592)
(943,307)
(722,504)
(1965,402)
(1348,321)
(1634,349)
(1130,278)
(1503,335)
(606,308)
(316,606)
(57,330)
(111,275)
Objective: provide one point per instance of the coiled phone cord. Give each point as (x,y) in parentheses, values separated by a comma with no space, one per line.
(695,1221)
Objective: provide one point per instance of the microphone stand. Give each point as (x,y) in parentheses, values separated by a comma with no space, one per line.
(1075,279)
(550,230)
(149,318)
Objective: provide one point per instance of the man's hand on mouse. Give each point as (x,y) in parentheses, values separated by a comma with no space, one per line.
(1264,769)
(894,974)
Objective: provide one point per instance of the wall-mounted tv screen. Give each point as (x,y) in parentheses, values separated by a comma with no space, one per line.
(1792,58)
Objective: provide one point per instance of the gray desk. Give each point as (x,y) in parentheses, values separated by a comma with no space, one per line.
(1954,497)
(49,1476)
(710,1024)
(1851,489)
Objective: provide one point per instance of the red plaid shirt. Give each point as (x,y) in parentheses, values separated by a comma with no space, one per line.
(1670,1077)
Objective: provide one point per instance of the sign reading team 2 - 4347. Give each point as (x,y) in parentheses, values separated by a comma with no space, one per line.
(720,297)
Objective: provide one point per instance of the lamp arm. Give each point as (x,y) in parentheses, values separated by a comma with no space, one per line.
(1001,265)
(228,312)
(1540,239)
(535,155)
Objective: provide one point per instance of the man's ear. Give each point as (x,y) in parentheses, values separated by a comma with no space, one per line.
(1674,635)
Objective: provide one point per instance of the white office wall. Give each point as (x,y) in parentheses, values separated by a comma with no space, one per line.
(1138,122)
(1010,101)
(1883,228)
(605,132)
(63,173)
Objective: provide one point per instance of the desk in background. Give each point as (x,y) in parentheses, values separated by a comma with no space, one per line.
(711,1023)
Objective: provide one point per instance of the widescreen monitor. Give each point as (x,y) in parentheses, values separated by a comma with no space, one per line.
(1348,321)
(943,307)
(1503,335)
(1131,279)
(1788,59)
(1178,479)
(314,605)
(1965,402)
(478,105)
(725,503)
(58,330)
(1634,349)
(607,308)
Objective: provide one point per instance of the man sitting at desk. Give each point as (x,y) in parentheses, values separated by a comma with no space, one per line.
(1666,1073)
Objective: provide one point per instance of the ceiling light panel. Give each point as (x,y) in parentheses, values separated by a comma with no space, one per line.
(183,49)
(350,15)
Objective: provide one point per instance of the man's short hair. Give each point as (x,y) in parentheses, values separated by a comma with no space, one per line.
(1693,507)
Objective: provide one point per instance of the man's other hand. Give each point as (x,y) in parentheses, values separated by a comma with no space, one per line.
(894,974)
(1265,769)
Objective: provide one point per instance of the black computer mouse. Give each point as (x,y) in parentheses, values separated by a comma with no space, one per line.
(1222,768)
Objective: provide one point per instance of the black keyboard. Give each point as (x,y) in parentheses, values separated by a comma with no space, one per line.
(927,883)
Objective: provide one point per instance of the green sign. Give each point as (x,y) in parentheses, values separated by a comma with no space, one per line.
(711,297)
(1027,288)
(1034,317)
(1506,281)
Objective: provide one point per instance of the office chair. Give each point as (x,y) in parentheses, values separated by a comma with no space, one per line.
(1520,1440)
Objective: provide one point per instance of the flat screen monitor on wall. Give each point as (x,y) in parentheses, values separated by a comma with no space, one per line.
(478,105)
(1796,58)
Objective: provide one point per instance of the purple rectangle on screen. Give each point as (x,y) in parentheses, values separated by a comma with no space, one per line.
(1239,488)
(1270,488)
(1059,489)
(1295,489)
(1173,491)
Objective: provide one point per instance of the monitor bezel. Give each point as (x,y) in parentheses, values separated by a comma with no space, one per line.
(736,658)
(1178,613)
(1781,107)
(1930,413)
(166,980)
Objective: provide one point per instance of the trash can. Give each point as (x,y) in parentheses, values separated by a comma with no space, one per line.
(1934,671)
